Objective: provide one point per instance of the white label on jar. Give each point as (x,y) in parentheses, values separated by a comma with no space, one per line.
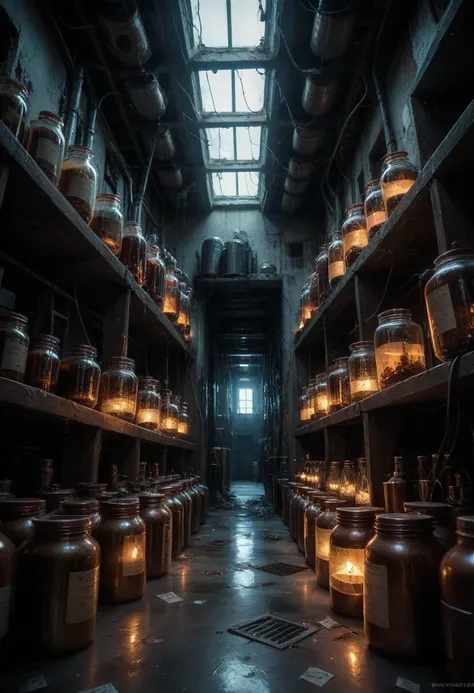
(322,543)
(81,187)
(14,356)
(48,151)
(82,595)
(336,269)
(134,555)
(376,595)
(441,310)
(5,599)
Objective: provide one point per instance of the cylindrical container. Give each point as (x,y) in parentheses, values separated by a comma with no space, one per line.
(196,507)
(177,512)
(234,259)
(56,497)
(14,342)
(294,508)
(46,144)
(211,256)
(319,93)
(204,493)
(182,494)
(304,408)
(398,175)
(292,490)
(399,347)
(8,557)
(347,484)
(325,523)
(58,584)
(313,509)
(155,274)
(354,233)
(90,489)
(16,517)
(157,519)
(395,489)
(133,251)
(164,145)
(184,308)
(284,502)
(149,403)
(303,504)
(374,208)
(339,393)
(354,529)
(300,168)
(121,535)
(362,494)
(119,388)
(172,291)
(362,371)
(440,512)
(336,264)
(291,203)
(307,140)
(322,271)
(107,222)
(331,33)
(311,392)
(79,376)
(85,507)
(295,186)
(13,105)
(183,421)
(401,592)
(78,182)
(333,481)
(457,602)
(321,400)
(305,304)
(42,366)
(313,293)
(169,414)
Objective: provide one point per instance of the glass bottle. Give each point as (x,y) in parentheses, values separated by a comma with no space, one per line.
(42,366)
(78,181)
(347,484)
(16,517)
(395,489)
(14,342)
(354,233)
(119,389)
(79,376)
(133,251)
(399,347)
(155,274)
(362,370)
(183,308)
(157,519)
(312,510)
(8,559)
(177,523)
(333,481)
(46,144)
(305,304)
(107,222)
(398,175)
(325,523)
(311,399)
(13,105)
(183,421)
(294,508)
(84,507)
(321,405)
(313,293)
(149,403)
(169,413)
(336,264)
(322,271)
(338,385)
(374,208)
(362,494)
(304,415)
(171,299)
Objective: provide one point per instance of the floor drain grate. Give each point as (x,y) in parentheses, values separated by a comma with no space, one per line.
(274,631)
(281,569)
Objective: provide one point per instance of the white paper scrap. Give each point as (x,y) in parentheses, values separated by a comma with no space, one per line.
(199,601)
(318,677)
(106,688)
(329,623)
(36,683)
(169,597)
(408,685)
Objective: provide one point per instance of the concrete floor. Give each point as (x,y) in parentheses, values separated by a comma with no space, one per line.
(154,647)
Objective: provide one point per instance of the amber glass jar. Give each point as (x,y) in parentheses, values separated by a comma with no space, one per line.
(169,414)
(354,233)
(354,530)
(177,512)
(119,389)
(399,347)
(14,342)
(155,274)
(16,517)
(292,490)
(13,105)
(305,304)
(362,494)
(79,376)
(325,523)
(204,494)
(347,484)
(333,481)
(7,576)
(107,222)
(322,271)
(171,298)
(183,421)
(321,401)
(157,519)
(84,507)
(90,489)
(336,264)
(42,366)
(184,498)
(304,413)
(78,182)
(56,497)
(398,175)
(401,593)
(339,394)
(311,391)
(449,296)
(303,504)
(312,510)
(313,293)
(295,502)
(148,403)
(374,208)
(362,371)
(121,535)
(441,514)
(46,144)
(133,251)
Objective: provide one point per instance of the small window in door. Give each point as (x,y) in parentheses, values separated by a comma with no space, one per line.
(245,401)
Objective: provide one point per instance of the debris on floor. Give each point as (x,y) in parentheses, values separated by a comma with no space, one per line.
(152,641)
(36,683)
(329,623)
(267,536)
(213,572)
(221,542)
(407,685)
(318,677)
(170,597)
(200,601)
(282,569)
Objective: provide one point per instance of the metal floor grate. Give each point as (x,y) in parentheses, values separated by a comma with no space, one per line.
(281,569)
(274,631)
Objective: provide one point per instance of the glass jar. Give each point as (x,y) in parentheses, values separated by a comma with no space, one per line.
(321,402)
(304,409)
(187,327)
(186,499)
(313,293)
(347,484)
(78,182)
(395,489)
(121,535)
(339,393)
(441,514)
(155,274)
(16,517)
(171,298)
(90,489)
(7,577)
(13,105)
(58,584)
(119,389)
(149,403)
(79,376)
(83,507)
(157,519)
(169,414)
(42,366)
(322,271)
(107,222)
(292,490)
(56,497)
(14,342)
(313,509)
(362,371)
(354,233)
(184,310)
(325,523)
(177,523)
(333,481)
(204,493)
(133,252)
(449,296)
(303,504)
(46,144)
(399,347)
(401,591)
(311,391)
(398,175)
(362,494)
(336,264)
(305,304)
(374,208)
(350,536)
(457,602)
(294,508)
(183,421)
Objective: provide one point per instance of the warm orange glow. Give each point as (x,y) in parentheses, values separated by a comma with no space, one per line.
(118,406)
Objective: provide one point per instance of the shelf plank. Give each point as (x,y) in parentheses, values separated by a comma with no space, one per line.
(347,415)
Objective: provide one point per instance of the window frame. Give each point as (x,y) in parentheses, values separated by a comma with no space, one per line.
(248,398)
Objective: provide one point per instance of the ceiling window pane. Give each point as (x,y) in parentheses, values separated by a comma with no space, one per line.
(216,91)
(209,23)
(248,143)
(247,29)
(249,91)
(248,183)
(224,184)
(221,143)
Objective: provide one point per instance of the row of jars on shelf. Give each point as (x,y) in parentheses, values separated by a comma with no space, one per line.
(87,551)
(347,480)
(78,377)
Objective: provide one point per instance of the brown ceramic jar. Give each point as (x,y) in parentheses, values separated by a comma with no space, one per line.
(177,512)
(204,494)
(84,507)
(325,523)
(90,489)
(292,490)
(313,509)
(196,507)
(7,575)
(185,499)
(16,517)
(441,514)
(294,511)
(157,519)
(56,497)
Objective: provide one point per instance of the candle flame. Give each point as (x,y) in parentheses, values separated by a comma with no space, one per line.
(134,554)
(349,567)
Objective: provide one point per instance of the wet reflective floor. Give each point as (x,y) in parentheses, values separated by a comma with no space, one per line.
(151,646)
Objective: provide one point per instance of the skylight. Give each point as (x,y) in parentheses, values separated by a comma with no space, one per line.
(233,143)
(232,91)
(242,27)
(234,185)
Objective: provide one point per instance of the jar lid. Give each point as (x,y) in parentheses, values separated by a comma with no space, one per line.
(150,499)
(47,339)
(120,507)
(394,155)
(363,516)
(435,510)
(18,317)
(395,312)
(51,116)
(79,149)
(109,196)
(21,507)
(361,345)
(404,523)
(340,361)
(80,506)
(90,488)
(13,83)
(465,526)
(358,207)
(122,360)
(372,184)
(331,504)
(456,253)
(62,525)
(148,380)
(83,348)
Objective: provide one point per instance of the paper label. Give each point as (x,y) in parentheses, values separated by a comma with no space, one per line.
(48,150)
(336,269)
(376,595)
(408,685)
(14,356)
(318,677)
(322,543)
(81,187)
(134,555)
(441,310)
(5,608)
(82,595)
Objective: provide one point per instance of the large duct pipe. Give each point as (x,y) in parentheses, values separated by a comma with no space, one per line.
(307,141)
(72,114)
(91,126)
(319,93)
(332,29)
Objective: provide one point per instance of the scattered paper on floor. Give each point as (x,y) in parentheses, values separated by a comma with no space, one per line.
(318,677)
(408,685)
(169,597)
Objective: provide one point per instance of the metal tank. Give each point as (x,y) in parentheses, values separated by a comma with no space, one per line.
(234,259)
(307,141)
(164,146)
(332,31)
(295,186)
(300,168)
(147,96)
(291,203)
(319,93)
(211,256)
(170,176)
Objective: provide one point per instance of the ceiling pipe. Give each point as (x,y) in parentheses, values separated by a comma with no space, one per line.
(138,201)
(332,29)
(72,114)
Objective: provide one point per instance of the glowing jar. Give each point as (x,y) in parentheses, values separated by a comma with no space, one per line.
(183,421)
(325,523)
(312,510)
(119,388)
(169,414)
(362,493)
(14,342)
(336,264)
(398,175)
(347,484)
(339,393)
(133,251)
(333,481)
(350,536)
(149,404)
(321,402)
(374,208)
(155,274)
(184,309)
(362,370)
(399,347)
(313,292)
(78,181)
(354,233)
(311,398)
(79,376)
(42,366)
(305,304)
(107,222)
(172,290)
(304,413)
(157,519)
(322,271)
